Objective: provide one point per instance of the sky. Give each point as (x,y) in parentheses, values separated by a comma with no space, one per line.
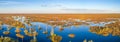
(59,6)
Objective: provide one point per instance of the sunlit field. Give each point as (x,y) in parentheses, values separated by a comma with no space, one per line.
(60,27)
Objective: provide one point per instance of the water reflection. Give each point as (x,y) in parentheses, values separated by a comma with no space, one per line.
(71,34)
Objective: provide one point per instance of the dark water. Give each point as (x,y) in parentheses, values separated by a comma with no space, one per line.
(81,32)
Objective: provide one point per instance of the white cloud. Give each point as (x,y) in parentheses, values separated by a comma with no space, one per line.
(9,2)
(51,8)
(90,11)
(51,5)
(58,11)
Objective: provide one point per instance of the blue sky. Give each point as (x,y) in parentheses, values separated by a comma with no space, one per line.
(59,6)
